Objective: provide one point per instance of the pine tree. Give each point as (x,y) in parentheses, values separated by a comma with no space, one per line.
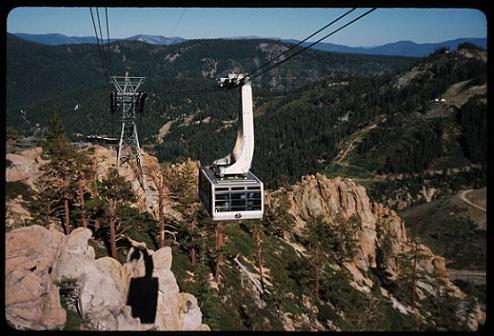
(159,181)
(318,235)
(258,234)
(410,274)
(115,191)
(218,250)
(83,178)
(60,173)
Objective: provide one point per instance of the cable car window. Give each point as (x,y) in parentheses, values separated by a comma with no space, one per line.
(254,205)
(238,195)
(222,196)
(238,188)
(253,195)
(222,206)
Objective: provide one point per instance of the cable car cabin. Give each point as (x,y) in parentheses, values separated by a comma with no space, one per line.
(231,197)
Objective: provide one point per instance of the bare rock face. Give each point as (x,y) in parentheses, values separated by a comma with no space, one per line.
(394,228)
(25,166)
(39,260)
(175,310)
(318,196)
(338,199)
(16,213)
(105,158)
(330,199)
(104,285)
(101,287)
(31,297)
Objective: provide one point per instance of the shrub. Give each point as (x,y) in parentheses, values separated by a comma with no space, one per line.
(468,45)
(12,189)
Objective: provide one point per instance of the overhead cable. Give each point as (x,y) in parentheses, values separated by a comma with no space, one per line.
(314,43)
(102,42)
(178,21)
(300,42)
(108,40)
(97,42)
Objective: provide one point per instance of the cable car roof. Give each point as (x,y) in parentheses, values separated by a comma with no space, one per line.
(236,180)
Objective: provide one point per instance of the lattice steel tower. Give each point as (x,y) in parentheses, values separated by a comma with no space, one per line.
(129,102)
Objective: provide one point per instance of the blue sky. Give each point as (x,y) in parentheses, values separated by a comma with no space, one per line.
(382,26)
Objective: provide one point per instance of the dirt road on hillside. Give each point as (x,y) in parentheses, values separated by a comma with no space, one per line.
(475,277)
(463,197)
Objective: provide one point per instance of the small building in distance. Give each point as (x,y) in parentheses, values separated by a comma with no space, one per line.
(101,140)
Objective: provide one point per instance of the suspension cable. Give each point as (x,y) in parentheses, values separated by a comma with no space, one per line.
(300,42)
(97,41)
(314,43)
(178,21)
(102,41)
(108,40)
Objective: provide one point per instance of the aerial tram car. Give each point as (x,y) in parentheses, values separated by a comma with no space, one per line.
(227,188)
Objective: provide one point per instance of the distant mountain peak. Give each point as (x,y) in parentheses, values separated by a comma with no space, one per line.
(155,39)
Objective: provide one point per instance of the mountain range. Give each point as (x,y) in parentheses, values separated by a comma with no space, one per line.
(60,39)
(399,48)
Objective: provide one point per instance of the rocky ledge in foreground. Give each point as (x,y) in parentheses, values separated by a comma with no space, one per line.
(40,262)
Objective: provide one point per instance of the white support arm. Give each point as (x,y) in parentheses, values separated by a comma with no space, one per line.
(238,162)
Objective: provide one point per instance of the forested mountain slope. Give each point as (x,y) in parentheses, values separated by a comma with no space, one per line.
(351,115)
(180,79)
(360,126)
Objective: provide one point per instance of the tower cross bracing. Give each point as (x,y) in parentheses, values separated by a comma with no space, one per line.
(127,96)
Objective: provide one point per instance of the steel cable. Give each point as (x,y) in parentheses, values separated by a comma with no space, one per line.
(299,43)
(314,43)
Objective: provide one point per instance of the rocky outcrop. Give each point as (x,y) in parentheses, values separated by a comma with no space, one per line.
(337,200)
(105,158)
(25,166)
(99,283)
(175,310)
(318,196)
(39,261)
(16,213)
(31,296)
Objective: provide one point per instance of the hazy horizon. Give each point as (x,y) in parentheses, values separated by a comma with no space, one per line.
(383,26)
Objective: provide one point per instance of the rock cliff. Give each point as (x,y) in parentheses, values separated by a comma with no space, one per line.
(339,199)
(25,166)
(40,262)
(34,273)
(105,158)
(32,299)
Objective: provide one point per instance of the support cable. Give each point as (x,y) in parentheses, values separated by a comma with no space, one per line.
(300,42)
(102,42)
(314,43)
(108,40)
(97,41)
(178,21)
